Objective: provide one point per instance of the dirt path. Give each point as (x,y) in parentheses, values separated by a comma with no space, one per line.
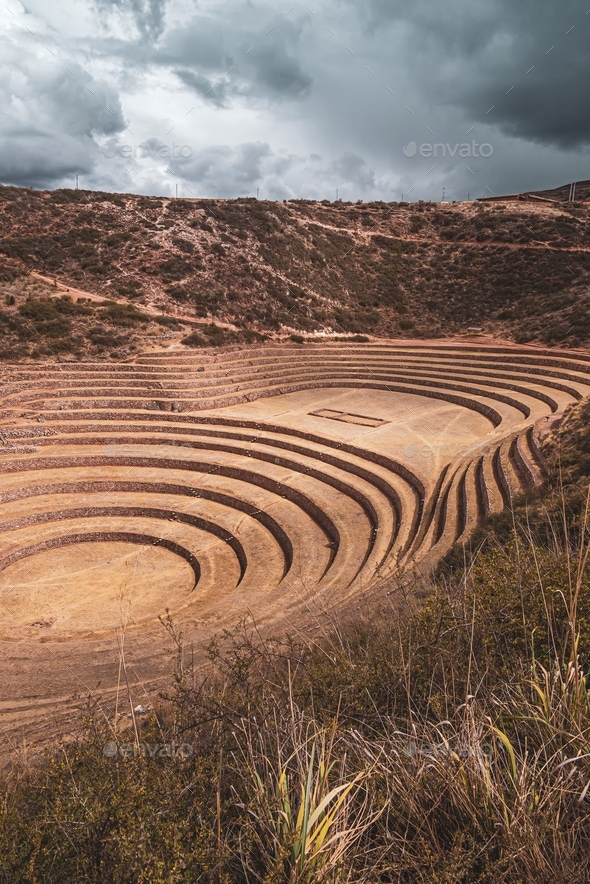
(360,234)
(76,294)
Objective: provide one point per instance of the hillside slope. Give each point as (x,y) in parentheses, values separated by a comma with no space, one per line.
(520,271)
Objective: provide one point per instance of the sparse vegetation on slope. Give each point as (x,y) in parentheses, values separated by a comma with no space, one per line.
(520,270)
(58,327)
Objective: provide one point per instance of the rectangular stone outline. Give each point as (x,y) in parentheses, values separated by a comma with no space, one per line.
(349,417)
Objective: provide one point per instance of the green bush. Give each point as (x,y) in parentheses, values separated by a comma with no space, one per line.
(102,337)
(129,288)
(55,328)
(167,321)
(125,315)
(183,244)
(178,206)
(174,269)
(195,340)
(39,310)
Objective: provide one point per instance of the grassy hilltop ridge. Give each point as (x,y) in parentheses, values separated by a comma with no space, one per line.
(519,270)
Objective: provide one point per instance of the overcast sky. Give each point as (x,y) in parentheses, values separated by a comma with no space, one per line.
(232,97)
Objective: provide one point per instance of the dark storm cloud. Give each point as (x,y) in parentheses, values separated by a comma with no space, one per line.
(273,66)
(214,92)
(352,169)
(196,54)
(225,170)
(42,158)
(470,54)
(278,74)
(262,69)
(295,101)
(241,170)
(199,44)
(148,15)
(52,114)
(77,103)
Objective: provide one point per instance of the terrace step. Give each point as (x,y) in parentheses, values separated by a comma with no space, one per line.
(194,450)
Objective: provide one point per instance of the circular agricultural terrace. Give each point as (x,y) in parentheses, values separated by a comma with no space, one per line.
(277,481)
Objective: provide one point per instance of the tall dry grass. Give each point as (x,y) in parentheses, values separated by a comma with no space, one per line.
(445,742)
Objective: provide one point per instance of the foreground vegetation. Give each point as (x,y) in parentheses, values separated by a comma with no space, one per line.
(442,740)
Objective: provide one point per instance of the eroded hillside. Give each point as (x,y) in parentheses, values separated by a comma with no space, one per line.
(518,270)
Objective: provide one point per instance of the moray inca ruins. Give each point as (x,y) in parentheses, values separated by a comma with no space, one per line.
(294,442)
(274,481)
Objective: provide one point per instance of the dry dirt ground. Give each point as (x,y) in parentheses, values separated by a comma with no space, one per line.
(274,481)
